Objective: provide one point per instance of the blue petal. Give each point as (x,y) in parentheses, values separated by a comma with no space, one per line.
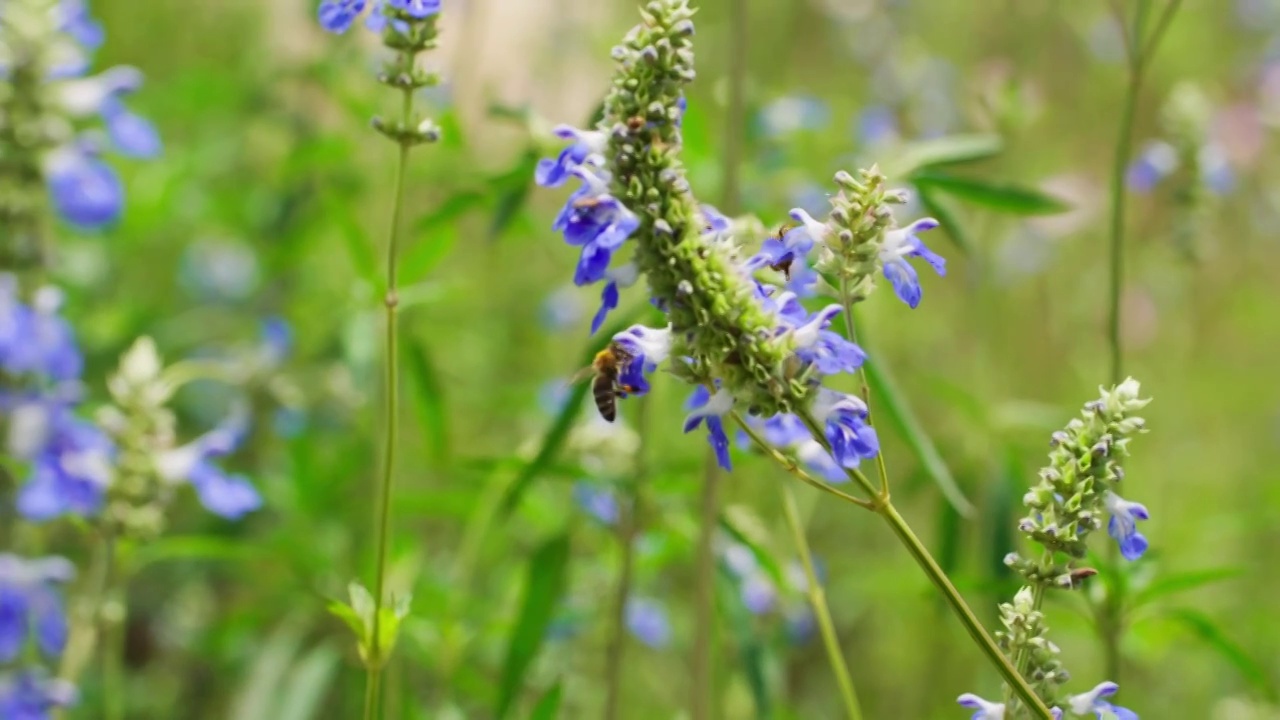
(132,135)
(905,281)
(13,623)
(592,265)
(719,441)
(608,301)
(86,192)
(337,15)
(51,622)
(229,496)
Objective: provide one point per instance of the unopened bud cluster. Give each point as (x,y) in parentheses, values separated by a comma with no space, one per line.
(1024,627)
(861,214)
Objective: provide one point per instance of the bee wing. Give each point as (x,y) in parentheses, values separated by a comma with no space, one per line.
(582,374)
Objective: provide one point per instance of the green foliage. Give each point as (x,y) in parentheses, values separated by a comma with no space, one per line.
(544,587)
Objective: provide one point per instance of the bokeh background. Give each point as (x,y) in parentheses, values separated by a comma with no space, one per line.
(271,202)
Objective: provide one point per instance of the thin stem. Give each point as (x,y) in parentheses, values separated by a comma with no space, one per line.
(851,332)
(736,110)
(883,507)
(628,529)
(1120,163)
(704,628)
(818,600)
(972,625)
(112,618)
(375,663)
(792,467)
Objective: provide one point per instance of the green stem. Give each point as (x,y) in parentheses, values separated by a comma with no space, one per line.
(704,627)
(628,529)
(115,612)
(818,600)
(883,507)
(375,663)
(851,332)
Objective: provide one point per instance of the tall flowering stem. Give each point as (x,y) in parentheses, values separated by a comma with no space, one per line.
(1140,48)
(1076,491)
(407,28)
(743,343)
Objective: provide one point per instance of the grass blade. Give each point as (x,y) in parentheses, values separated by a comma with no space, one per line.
(545,583)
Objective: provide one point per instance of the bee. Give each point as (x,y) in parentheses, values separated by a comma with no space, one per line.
(604,371)
(784,264)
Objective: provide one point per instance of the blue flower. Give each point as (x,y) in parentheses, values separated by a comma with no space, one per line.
(36,339)
(338,15)
(599,503)
(229,496)
(985,710)
(785,430)
(816,458)
(417,9)
(31,696)
(827,350)
(1156,161)
(844,418)
(877,125)
(554,173)
(131,134)
(277,340)
(710,409)
(595,221)
(85,191)
(716,221)
(815,231)
(758,594)
(619,277)
(652,345)
(647,620)
(71,460)
(901,244)
(1093,701)
(1124,525)
(31,605)
(76,21)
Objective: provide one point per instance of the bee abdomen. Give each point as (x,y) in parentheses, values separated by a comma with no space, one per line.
(604,389)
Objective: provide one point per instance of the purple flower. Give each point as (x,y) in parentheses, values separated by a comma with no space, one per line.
(554,173)
(898,246)
(710,409)
(230,496)
(36,339)
(1156,161)
(31,696)
(827,350)
(31,605)
(131,134)
(71,460)
(1093,701)
(985,710)
(844,418)
(85,191)
(758,593)
(417,9)
(619,277)
(599,503)
(717,222)
(338,15)
(75,20)
(1124,525)
(647,620)
(595,221)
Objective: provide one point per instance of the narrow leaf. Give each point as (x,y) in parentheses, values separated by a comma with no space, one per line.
(1182,582)
(1013,199)
(941,211)
(548,707)
(886,397)
(1203,627)
(435,235)
(545,584)
(511,190)
(950,150)
(194,547)
(256,697)
(308,684)
(359,249)
(429,397)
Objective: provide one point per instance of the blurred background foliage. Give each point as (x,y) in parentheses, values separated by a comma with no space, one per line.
(271,201)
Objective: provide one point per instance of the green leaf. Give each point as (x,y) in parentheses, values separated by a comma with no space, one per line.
(429,398)
(939,209)
(559,431)
(548,707)
(346,614)
(256,698)
(359,249)
(950,150)
(1203,627)
(308,684)
(1182,582)
(511,190)
(545,584)
(435,235)
(1012,199)
(886,396)
(194,547)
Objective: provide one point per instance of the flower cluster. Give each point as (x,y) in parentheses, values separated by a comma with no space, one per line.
(150,462)
(1075,491)
(52,153)
(31,613)
(762,595)
(746,342)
